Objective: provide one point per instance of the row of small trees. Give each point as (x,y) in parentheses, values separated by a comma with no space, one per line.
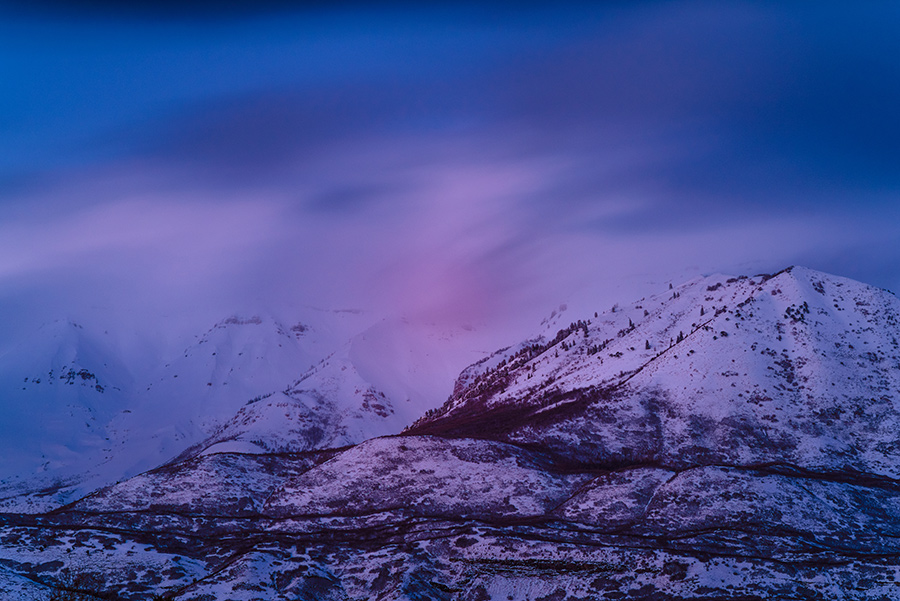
(81,586)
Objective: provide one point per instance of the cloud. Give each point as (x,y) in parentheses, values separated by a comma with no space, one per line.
(590,157)
(737,106)
(194,9)
(171,236)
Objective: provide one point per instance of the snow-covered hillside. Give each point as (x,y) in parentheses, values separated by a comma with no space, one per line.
(799,367)
(239,359)
(733,438)
(77,416)
(60,390)
(377,383)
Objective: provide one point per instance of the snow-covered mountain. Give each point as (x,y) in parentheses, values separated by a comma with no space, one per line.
(378,382)
(240,359)
(799,367)
(81,418)
(732,438)
(60,391)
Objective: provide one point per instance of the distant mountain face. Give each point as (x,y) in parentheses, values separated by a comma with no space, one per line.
(60,391)
(732,438)
(78,417)
(375,384)
(237,361)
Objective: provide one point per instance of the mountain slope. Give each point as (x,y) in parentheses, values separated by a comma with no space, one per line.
(77,416)
(375,384)
(733,459)
(60,391)
(800,367)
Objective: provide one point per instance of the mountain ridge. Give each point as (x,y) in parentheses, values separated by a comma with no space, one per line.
(642,454)
(227,387)
(604,376)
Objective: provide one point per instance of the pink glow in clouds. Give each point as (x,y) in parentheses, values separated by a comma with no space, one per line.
(455,166)
(458,239)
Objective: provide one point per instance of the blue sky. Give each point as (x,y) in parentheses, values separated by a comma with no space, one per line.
(465,162)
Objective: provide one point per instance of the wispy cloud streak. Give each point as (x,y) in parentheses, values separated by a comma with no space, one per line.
(434,164)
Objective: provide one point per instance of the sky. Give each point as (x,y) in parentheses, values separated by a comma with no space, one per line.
(167,164)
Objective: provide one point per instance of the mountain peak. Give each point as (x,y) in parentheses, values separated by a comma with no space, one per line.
(735,370)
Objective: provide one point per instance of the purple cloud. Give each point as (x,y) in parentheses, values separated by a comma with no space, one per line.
(435,165)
